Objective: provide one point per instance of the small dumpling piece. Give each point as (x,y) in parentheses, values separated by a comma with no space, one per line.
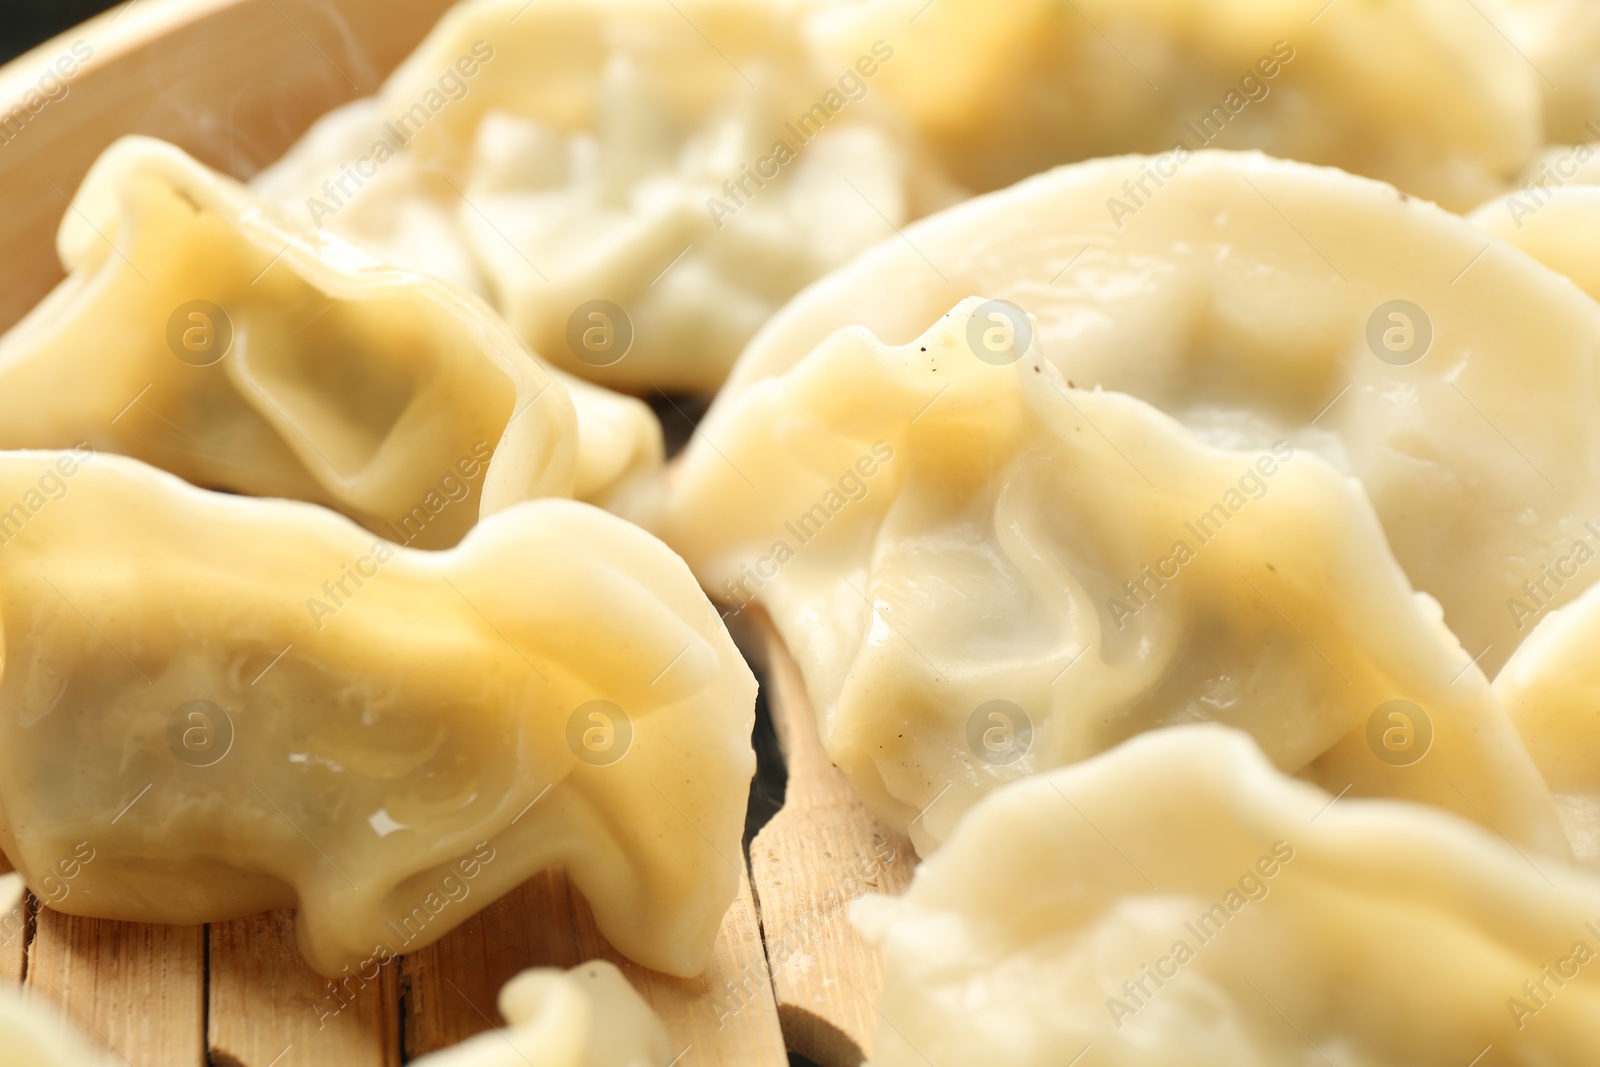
(203,332)
(38,1035)
(1551,691)
(1415,92)
(984,573)
(636,185)
(255,704)
(586,1017)
(1560,227)
(1179,903)
(1256,300)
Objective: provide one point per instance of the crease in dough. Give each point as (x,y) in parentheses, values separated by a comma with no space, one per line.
(586,1017)
(1177,902)
(1250,298)
(204,332)
(608,151)
(245,704)
(932,533)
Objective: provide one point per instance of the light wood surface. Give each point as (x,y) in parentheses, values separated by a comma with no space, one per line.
(266,1006)
(822,850)
(138,990)
(726,1016)
(15,928)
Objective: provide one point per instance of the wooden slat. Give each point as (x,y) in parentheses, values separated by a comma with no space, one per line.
(267,1007)
(724,1017)
(139,990)
(819,852)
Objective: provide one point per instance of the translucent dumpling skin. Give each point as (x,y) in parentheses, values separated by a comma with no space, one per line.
(679,170)
(205,333)
(985,572)
(1256,300)
(242,704)
(1179,903)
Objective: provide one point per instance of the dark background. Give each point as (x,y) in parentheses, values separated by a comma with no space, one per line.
(25,23)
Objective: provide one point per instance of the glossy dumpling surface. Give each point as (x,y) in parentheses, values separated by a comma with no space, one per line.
(1179,903)
(984,572)
(576,158)
(205,333)
(1256,300)
(243,704)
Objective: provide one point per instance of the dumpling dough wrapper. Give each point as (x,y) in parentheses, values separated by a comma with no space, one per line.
(205,332)
(574,158)
(984,572)
(244,705)
(1256,300)
(1177,902)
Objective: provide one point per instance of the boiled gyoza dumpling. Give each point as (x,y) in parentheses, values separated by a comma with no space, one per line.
(586,1017)
(1420,93)
(678,170)
(1179,903)
(638,186)
(1551,690)
(1256,301)
(984,572)
(251,704)
(204,332)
